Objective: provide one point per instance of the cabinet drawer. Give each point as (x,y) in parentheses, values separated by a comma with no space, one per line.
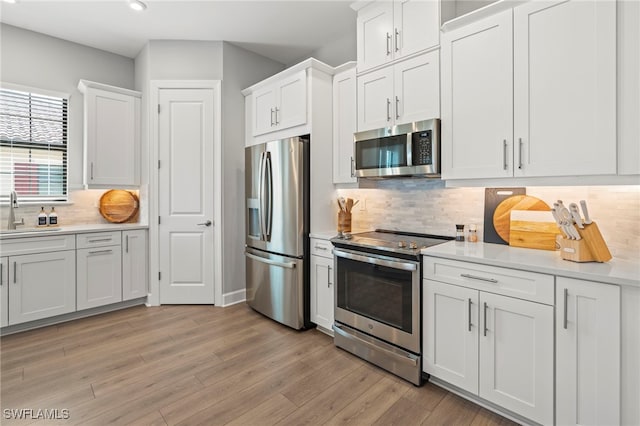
(321,247)
(32,245)
(509,282)
(98,239)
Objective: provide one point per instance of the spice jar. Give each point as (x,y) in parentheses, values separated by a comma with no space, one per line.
(459,232)
(473,235)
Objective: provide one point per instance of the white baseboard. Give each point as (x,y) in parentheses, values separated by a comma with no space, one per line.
(234,297)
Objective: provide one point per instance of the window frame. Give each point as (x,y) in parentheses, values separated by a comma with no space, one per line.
(61,199)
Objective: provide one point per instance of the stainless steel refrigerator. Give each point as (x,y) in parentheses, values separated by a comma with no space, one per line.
(277,228)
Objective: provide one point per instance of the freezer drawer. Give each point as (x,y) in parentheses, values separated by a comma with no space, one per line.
(275,286)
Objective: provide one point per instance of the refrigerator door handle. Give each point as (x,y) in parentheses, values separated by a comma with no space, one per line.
(289,265)
(261,195)
(269,190)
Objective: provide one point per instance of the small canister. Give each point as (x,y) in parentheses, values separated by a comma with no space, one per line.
(459,232)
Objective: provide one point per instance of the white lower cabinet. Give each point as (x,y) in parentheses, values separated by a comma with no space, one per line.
(322,298)
(587,353)
(41,285)
(492,345)
(99,277)
(134,264)
(4,291)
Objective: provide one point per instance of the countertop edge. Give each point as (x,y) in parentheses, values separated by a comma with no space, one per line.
(616,271)
(73,229)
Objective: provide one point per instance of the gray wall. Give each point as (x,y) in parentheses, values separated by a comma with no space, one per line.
(241,70)
(185,60)
(40,61)
(337,52)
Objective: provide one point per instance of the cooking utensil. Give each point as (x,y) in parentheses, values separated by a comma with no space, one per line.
(554,213)
(575,213)
(585,212)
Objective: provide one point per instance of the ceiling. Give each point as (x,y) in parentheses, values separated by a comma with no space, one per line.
(285,31)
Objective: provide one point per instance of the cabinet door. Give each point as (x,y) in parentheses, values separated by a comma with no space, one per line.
(4,291)
(41,285)
(292,101)
(99,277)
(565,88)
(344,125)
(417,88)
(112,139)
(374,35)
(587,353)
(375,94)
(450,334)
(416,26)
(134,264)
(322,291)
(477,99)
(516,356)
(264,108)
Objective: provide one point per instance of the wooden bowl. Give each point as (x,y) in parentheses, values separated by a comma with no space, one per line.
(118,205)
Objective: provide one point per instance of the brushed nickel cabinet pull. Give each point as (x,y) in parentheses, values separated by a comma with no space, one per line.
(566,305)
(277,121)
(397,108)
(397,34)
(388,109)
(388,44)
(126,245)
(15,272)
(485,318)
(353,168)
(92,170)
(328,276)
(101,252)
(473,277)
(469,324)
(99,240)
(1,277)
(520,143)
(504,154)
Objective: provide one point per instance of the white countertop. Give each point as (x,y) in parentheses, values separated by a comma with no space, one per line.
(615,271)
(70,229)
(323,235)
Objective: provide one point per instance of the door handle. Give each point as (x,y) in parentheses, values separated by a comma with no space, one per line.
(388,109)
(397,107)
(504,154)
(520,153)
(566,305)
(353,167)
(388,44)
(289,265)
(207,223)
(397,38)
(485,318)
(469,323)
(328,276)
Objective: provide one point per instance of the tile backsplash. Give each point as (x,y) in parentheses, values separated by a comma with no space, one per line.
(82,209)
(426,206)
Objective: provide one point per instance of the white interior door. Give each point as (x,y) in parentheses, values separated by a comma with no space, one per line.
(186,195)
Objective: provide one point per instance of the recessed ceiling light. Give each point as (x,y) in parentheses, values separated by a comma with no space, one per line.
(11,1)
(137,5)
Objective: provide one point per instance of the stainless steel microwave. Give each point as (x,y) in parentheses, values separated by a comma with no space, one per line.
(411,149)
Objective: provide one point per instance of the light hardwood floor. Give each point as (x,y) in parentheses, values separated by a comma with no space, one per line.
(205,365)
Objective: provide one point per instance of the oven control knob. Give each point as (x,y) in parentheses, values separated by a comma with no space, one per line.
(402,244)
(413,245)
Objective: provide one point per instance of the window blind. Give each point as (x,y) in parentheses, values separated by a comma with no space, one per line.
(33,146)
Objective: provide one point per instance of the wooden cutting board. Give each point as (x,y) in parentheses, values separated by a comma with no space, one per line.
(502,214)
(533,229)
(119,206)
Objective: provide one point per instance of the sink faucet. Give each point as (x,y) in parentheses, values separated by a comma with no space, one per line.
(13,204)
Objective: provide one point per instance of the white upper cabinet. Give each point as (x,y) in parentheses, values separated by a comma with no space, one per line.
(280,105)
(391,30)
(344,125)
(564,88)
(477,99)
(404,92)
(560,119)
(111,136)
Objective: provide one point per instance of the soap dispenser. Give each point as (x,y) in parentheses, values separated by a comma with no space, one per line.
(53,217)
(42,217)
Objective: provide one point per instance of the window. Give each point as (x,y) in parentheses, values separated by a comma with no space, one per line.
(33,145)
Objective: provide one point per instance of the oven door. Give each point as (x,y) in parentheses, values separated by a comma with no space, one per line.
(379,295)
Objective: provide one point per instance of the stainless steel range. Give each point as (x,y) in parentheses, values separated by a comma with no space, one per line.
(378,298)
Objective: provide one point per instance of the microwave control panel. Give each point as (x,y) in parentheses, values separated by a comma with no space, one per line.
(422,148)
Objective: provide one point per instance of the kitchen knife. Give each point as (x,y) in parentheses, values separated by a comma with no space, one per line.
(558,222)
(585,212)
(576,215)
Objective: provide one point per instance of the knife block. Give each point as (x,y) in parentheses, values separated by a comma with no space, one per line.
(591,248)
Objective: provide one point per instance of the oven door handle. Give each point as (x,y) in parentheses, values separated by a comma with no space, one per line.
(405,266)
